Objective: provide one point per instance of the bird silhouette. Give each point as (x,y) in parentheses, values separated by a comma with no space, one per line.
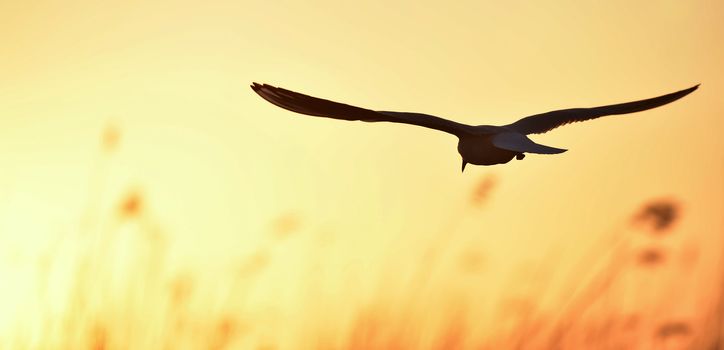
(477,144)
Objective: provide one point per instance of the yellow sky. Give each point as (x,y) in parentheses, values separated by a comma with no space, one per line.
(217,163)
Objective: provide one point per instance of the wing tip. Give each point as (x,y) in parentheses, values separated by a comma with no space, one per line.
(259,86)
(681,93)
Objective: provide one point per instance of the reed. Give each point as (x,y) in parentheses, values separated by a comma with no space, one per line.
(111,286)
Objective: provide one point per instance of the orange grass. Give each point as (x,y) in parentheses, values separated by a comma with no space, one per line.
(111,286)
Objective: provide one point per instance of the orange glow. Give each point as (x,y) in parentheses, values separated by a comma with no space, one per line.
(149,199)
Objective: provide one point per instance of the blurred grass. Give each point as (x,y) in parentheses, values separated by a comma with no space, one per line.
(110,285)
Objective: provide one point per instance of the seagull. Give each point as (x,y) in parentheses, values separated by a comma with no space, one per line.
(477,144)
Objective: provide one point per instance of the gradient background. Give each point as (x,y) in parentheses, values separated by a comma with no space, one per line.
(338,216)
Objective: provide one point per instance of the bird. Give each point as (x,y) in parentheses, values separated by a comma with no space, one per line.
(477,144)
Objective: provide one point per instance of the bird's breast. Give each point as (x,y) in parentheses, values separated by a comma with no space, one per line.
(479,150)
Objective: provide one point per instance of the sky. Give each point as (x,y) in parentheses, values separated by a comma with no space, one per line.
(217,164)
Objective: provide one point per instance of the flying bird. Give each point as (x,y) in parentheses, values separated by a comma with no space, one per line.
(477,144)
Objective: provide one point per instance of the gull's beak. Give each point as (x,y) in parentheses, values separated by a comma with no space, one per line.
(464,164)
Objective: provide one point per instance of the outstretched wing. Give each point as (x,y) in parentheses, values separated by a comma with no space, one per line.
(314,106)
(541,123)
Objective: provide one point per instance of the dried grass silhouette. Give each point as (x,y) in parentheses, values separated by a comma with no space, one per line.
(146,304)
(658,215)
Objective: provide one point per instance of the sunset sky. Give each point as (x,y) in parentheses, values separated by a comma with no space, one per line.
(217,165)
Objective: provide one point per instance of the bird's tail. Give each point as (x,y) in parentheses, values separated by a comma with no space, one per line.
(514,141)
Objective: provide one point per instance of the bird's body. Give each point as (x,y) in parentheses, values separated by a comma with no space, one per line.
(479,145)
(479,150)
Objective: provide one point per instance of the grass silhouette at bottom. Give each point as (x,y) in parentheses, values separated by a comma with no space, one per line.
(111,285)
